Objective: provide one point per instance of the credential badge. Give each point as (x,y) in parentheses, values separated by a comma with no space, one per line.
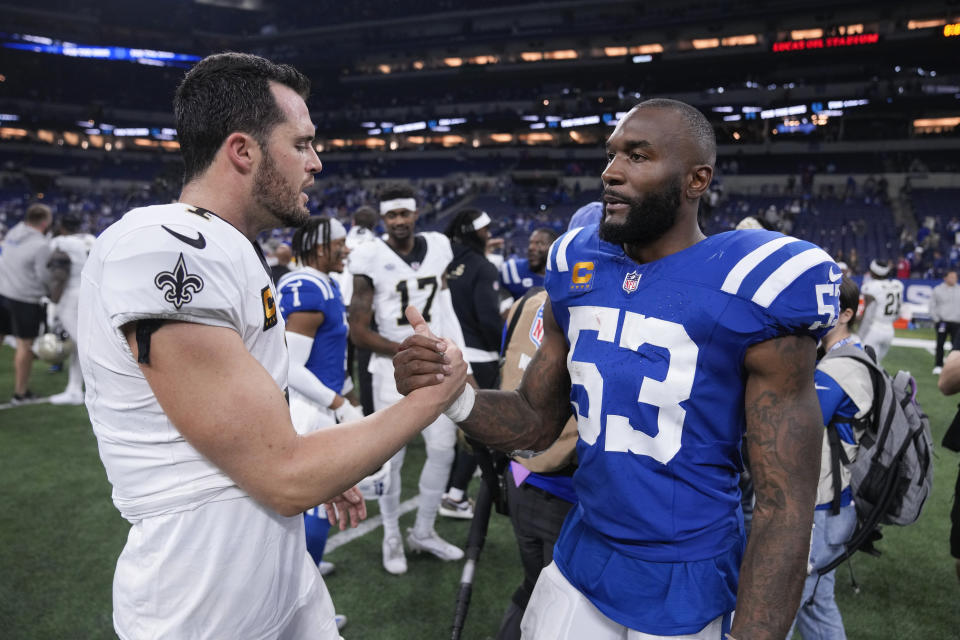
(631,281)
(178,285)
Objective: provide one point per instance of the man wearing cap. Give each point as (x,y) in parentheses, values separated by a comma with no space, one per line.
(881,300)
(406,269)
(945,311)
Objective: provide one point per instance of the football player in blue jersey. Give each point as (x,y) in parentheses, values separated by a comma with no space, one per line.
(316,334)
(672,349)
(518,275)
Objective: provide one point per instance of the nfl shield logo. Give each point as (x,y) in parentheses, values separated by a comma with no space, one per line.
(536,329)
(630,281)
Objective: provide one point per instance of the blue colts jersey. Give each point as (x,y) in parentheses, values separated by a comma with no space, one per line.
(517,278)
(310,290)
(655,358)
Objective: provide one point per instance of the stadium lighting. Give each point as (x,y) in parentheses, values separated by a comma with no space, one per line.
(642,58)
(647,48)
(740,41)
(951,30)
(705,43)
(925,24)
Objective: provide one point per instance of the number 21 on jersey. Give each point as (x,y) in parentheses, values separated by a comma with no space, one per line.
(666,395)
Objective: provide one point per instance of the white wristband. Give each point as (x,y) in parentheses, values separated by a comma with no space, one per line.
(462,406)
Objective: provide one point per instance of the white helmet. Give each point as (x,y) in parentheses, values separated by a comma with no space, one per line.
(51,348)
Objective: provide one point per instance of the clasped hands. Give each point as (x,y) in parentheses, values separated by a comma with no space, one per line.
(427,362)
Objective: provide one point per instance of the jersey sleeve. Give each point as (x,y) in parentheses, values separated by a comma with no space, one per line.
(829,393)
(150,274)
(793,286)
(362,259)
(441,244)
(304,293)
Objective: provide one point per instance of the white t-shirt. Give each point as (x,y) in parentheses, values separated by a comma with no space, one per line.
(177,262)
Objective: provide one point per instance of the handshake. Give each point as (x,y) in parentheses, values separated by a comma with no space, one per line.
(434,368)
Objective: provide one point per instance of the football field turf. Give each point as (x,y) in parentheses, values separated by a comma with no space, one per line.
(60,536)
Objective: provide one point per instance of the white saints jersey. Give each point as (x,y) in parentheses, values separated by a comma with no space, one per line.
(181,263)
(77,246)
(397,284)
(887,296)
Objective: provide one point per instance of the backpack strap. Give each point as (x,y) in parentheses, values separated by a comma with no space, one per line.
(837,456)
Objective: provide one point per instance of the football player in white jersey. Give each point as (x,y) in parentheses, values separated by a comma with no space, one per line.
(405,270)
(882,297)
(69,253)
(183,354)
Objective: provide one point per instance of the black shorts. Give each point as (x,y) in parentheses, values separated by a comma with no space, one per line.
(20,319)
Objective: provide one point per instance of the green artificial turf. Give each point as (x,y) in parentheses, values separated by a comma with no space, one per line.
(60,536)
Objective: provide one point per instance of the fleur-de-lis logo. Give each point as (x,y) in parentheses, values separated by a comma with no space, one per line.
(178,286)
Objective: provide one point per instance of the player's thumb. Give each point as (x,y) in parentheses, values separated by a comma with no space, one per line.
(416,320)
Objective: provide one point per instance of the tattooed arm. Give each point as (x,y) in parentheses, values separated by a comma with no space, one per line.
(531,417)
(784,435)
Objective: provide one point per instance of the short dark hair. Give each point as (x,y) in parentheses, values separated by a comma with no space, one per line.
(37,214)
(699,128)
(225,93)
(394,191)
(460,229)
(547,231)
(849,298)
(366,217)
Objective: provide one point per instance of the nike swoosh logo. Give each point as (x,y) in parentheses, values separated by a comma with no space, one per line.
(819,388)
(197,243)
(835,276)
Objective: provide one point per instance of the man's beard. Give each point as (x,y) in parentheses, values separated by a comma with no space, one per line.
(648,219)
(272,192)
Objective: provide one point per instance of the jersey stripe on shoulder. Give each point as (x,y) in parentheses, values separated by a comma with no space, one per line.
(749,262)
(324,287)
(514,277)
(786,273)
(561,251)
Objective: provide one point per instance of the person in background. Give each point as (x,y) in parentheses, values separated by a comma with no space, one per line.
(474,287)
(406,269)
(23,282)
(517,275)
(316,335)
(282,254)
(945,312)
(949,384)
(845,391)
(69,253)
(882,297)
(540,491)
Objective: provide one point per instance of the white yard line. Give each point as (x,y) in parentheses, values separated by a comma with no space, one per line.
(343,537)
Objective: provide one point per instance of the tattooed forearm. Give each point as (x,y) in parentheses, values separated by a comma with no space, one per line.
(532,416)
(784,434)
